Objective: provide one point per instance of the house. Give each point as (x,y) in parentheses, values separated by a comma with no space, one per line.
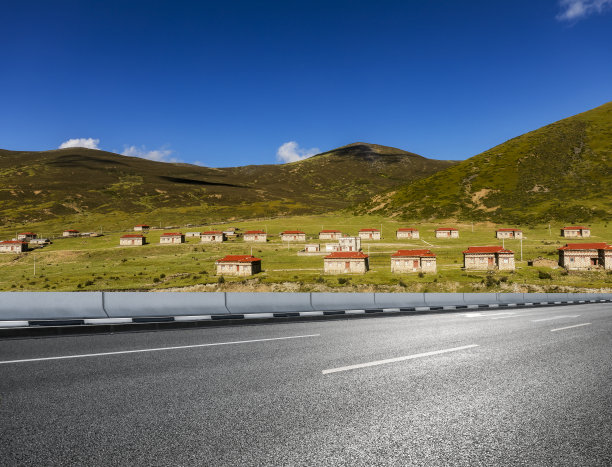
(172,237)
(70,233)
(212,236)
(488,257)
(231,232)
(329,234)
(26,236)
(349,243)
(293,236)
(369,234)
(413,261)
(509,233)
(192,234)
(13,246)
(329,247)
(255,236)
(141,227)
(447,232)
(132,240)
(40,241)
(576,231)
(577,256)
(406,233)
(238,265)
(346,262)
(312,248)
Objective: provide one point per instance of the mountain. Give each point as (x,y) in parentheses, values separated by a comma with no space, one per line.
(562,171)
(36,186)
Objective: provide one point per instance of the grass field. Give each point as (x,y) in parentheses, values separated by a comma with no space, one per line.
(101,264)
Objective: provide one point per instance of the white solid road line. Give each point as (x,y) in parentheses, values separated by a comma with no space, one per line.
(554,317)
(569,327)
(397,359)
(178,347)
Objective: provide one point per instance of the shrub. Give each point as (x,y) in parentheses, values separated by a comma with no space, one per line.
(342,280)
(221,280)
(320,280)
(421,274)
(162,275)
(544,275)
(156,279)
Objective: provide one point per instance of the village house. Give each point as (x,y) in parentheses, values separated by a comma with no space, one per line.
(509,233)
(141,227)
(576,231)
(312,248)
(231,232)
(238,265)
(346,262)
(329,247)
(329,234)
(132,240)
(255,236)
(192,234)
(349,244)
(13,246)
(413,261)
(447,232)
(369,234)
(293,236)
(575,256)
(172,237)
(406,233)
(40,242)
(212,236)
(26,236)
(488,257)
(70,233)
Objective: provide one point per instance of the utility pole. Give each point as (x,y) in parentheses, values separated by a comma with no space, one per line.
(504,243)
(549,231)
(521,248)
(472,227)
(34,256)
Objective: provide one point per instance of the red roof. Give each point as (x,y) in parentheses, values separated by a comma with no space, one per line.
(212,232)
(172,234)
(330,231)
(400,253)
(70,230)
(132,236)
(253,232)
(509,230)
(142,225)
(369,230)
(292,232)
(487,249)
(27,233)
(14,241)
(238,259)
(407,229)
(346,255)
(577,227)
(586,246)
(446,228)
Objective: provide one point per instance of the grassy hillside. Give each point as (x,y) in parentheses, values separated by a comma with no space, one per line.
(68,185)
(562,171)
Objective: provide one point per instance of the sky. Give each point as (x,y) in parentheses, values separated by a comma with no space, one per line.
(235,83)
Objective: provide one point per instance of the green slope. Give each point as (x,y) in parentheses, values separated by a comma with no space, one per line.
(562,171)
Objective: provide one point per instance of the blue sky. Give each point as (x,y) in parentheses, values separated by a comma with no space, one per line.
(229,83)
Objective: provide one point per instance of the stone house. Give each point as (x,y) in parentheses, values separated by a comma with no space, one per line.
(13,246)
(141,227)
(172,237)
(212,236)
(329,247)
(132,240)
(349,243)
(447,232)
(192,234)
(406,233)
(413,261)
(255,236)
(369,234)
(312,248)
(293,236)
(26,236)
(488,257)
(576,231)
(576,256)
(509,233)
(70,233)
(346,262)
(329,234)
(238,265)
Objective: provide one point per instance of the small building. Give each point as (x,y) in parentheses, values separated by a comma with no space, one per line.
(576,256)
(576,232)
(413,261)
(293,236)
(40,242)
(26,236)
(406,233)
(369,234)
(329,234)
(238,265)
(488,257)
(312,248)
(70,233)
(141,227)
(132,240)
(509,233)
(192,234)
(172,237)
(255,236)
(13,246)
(349,244)
(346,262)
(329,247)
(447,232)
(231,232)
(212,236)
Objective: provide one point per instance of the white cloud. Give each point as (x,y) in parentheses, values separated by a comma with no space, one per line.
(159,155)
(572,10)
(291,152)
(90,143)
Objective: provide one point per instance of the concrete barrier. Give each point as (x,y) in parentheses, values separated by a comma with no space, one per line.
(267,302)
(536,297)
(399,300)
(137,304)
(558,297)
(480,299)
(510,298)
(50,305)
(444,299)
(329,301)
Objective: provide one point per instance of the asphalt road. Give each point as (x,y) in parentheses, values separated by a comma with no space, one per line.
(496,387)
